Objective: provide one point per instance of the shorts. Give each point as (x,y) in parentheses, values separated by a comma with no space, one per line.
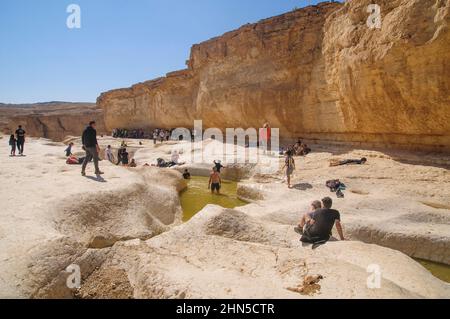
(215,186)
(289,171)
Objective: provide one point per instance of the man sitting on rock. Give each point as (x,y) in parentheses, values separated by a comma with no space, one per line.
(304,222)
(321,223)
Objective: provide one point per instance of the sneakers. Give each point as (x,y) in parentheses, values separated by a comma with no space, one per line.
(298,230)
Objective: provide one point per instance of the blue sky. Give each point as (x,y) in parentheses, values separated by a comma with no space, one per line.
(121,42)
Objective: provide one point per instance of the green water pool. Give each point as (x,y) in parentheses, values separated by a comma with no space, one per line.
(197,196)
(440,271)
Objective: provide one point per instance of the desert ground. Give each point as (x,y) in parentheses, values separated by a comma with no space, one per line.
(126,234)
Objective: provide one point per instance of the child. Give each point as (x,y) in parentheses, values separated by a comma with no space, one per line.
(12,143)
(289,166)
(69,150)
(215,182)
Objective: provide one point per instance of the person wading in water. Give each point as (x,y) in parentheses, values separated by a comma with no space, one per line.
(90,145)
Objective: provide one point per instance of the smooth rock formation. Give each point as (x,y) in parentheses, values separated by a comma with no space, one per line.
(319,72)
(53,120)
(124,232)
(224,253)
(55,218)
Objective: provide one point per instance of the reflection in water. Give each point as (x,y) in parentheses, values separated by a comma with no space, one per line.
(440,271)
(197,196)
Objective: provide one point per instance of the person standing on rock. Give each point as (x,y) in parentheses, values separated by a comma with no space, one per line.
(12,143)
(69,150)
(90,145)
(289,166)
(20,134)
(265,135)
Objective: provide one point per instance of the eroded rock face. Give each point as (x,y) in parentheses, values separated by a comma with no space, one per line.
(318,72)
(54,120)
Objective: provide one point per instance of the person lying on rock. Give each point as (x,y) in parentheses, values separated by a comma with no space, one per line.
(306,218)
(215,182)
(321,223)
(361,161)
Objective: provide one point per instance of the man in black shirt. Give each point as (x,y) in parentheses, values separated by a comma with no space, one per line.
(20,133)
(90,145)
(322,222)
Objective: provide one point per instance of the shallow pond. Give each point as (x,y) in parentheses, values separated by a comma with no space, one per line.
(440,271)
(197,196)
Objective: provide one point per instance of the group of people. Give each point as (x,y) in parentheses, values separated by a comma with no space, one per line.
(92,149)
(124,133)
(17,141)
(316,226)
(161,135)
(298,149)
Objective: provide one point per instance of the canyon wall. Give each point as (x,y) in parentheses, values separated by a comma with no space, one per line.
(53,120)
(319,73)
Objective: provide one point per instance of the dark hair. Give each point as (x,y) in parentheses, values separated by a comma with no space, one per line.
(91,123)
(363,159)
(327,202)
(20,126)
(12,136)
(316,204)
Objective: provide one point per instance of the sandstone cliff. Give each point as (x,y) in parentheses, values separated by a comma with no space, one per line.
(53,120)
(319,72)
